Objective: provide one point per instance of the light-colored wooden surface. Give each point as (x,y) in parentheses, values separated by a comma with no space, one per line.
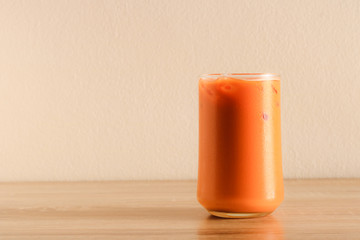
(313,209)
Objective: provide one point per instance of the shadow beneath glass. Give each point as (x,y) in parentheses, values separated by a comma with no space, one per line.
(256,228)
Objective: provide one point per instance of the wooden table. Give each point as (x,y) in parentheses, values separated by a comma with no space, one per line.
(313,209)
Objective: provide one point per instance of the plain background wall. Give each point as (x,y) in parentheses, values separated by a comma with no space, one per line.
(103,90)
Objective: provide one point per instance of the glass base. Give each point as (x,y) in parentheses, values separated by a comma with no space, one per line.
(237,215)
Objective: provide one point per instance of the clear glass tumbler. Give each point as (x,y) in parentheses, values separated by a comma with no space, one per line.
(240,166)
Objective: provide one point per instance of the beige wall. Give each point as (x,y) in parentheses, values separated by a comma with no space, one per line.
(94,90)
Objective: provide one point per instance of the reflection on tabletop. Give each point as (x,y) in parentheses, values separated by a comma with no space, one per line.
(255,228)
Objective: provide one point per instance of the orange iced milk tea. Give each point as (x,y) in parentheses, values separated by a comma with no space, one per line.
(240,168)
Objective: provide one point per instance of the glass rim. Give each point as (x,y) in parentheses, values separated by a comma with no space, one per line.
(242,76)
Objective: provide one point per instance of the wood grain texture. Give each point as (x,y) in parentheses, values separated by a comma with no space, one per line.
(313,209)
